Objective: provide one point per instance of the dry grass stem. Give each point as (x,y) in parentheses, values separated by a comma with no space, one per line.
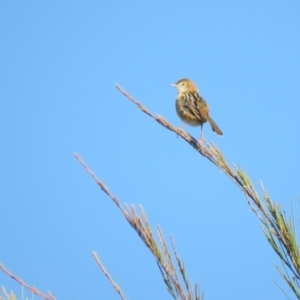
(7,296)
(208,150)
(159,250)
(32,289)
(116,287)
(101,184)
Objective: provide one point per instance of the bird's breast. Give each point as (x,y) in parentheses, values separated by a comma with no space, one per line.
(185,115)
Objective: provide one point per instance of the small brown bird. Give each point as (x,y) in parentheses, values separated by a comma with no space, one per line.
(191,107)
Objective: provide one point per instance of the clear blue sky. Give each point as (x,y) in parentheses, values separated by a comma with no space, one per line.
(59,63)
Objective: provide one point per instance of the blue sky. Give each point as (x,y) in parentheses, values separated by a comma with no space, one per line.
(59,63)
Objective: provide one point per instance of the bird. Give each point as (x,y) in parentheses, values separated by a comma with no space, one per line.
(191,107)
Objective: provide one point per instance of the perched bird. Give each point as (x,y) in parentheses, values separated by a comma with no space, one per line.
(191,107)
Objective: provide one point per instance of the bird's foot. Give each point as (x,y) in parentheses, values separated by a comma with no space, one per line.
(201,140)
(179,129)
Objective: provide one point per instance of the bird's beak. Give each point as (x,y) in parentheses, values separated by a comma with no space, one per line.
(173,84)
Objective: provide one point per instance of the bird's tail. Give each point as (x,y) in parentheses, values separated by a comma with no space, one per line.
(214,126)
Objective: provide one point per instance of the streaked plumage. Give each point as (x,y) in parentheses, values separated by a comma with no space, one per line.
(191,107)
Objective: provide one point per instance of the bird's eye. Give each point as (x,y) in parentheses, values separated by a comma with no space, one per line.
(183,84)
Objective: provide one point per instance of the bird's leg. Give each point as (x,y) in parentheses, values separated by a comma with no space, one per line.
(201,135)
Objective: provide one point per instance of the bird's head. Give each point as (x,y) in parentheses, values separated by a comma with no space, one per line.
(185,86)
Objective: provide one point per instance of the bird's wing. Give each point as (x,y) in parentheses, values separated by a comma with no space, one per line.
(198,106)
